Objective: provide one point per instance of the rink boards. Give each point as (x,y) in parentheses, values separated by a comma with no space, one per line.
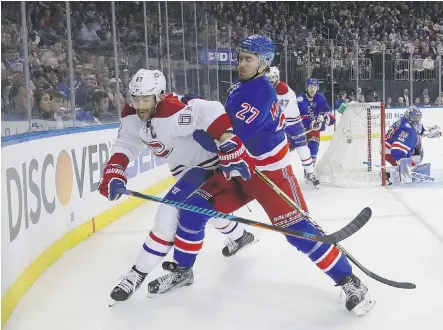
(50,202)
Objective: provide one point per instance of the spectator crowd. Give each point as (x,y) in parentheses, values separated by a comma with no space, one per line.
(315,34)
(93,61)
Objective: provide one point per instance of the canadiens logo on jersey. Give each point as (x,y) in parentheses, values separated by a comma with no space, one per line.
(159,149)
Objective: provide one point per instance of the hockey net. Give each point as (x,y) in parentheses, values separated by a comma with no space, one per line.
(358,138)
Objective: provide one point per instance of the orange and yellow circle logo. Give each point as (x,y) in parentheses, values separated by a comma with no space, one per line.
(64,178)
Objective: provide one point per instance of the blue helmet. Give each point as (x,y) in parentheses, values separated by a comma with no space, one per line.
(311,82)
(259,45)
(413,116)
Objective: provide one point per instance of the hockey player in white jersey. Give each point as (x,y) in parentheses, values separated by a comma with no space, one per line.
(184,136)
(294,127)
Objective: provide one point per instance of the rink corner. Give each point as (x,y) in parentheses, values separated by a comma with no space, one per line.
(24,282)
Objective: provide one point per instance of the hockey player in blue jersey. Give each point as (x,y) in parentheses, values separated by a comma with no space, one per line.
(256,139)
(403,145)
(316,114)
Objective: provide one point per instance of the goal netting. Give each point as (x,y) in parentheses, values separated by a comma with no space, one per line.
(358,138)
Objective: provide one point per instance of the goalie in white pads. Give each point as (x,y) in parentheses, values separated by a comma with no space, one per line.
(183,135)
(404,148)
(294,127)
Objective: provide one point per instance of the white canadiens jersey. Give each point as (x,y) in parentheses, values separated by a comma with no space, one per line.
(288,103)
(170,133)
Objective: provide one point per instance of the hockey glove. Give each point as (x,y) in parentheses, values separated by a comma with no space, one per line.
(188,97)
(432,132)
(235,159)
(325,119)
(317,124)
(114,177)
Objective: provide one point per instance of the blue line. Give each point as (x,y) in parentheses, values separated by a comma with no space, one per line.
(26,137)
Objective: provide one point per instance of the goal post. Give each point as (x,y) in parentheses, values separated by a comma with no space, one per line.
(356,155)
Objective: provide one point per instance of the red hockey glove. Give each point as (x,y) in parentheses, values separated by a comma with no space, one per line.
(114,177)
(235,159)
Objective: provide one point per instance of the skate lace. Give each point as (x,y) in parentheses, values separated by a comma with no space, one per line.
(166,280)
(232,245)
(129,281)
(351,289)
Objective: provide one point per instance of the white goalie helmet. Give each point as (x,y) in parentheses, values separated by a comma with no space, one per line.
(148,82)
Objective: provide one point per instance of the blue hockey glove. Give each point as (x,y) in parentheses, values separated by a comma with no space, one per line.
(235,159)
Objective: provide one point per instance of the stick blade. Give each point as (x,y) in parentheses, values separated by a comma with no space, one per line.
(399,285)
(351,228)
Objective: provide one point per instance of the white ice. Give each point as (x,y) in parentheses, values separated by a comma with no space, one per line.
(270,285)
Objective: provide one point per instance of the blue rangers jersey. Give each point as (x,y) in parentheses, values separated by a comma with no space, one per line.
(401,139)
(310,110)
(258,121)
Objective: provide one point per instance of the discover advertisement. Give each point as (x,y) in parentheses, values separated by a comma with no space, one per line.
(49,187)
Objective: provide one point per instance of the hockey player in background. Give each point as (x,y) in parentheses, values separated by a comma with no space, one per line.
(255,139)
(315,113)
(294,129)
(404,148)
(184,136)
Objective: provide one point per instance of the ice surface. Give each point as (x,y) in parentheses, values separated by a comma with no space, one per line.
(269,285)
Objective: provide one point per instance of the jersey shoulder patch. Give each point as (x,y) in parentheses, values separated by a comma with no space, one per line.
(407,125)
(282,88)
(300,99)
(168,107)
(127,111)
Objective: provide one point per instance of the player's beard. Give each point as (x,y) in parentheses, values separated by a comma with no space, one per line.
(147,114)
(309,91)
(146,108)
(243,76)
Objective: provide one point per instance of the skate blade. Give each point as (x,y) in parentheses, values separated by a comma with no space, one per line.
(113,302)
(156,295)
(365,306)
(309,183)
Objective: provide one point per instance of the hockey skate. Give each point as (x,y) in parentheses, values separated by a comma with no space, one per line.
(233,246)
(129,283)
(358,299)
(311,179)
(177,278)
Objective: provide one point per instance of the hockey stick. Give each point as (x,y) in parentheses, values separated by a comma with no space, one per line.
(401,285)
(415,175)
(302,134)
(342,234)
